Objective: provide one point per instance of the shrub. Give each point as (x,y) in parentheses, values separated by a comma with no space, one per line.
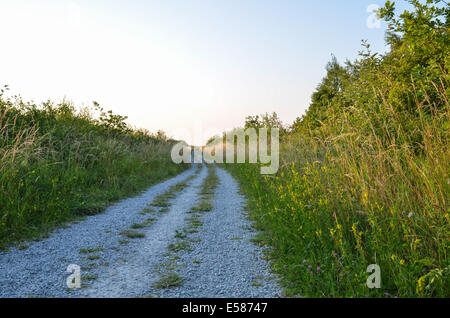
(57,163)
(364,177)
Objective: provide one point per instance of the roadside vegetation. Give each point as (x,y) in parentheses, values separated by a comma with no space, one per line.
(163,201)
(57,164)
(364,175)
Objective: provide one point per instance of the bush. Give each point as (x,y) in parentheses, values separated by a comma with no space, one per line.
(57,163)
(364,177)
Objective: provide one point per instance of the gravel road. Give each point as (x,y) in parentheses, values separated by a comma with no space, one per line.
(221,260)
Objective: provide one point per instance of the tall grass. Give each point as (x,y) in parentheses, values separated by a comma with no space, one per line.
(356,198)
(57,163)
(364,176)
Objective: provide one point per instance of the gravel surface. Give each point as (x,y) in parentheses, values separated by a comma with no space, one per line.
(40,270)
(222,262)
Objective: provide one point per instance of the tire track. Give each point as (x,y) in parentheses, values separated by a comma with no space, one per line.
(221,260)
(183,226)
(41,269)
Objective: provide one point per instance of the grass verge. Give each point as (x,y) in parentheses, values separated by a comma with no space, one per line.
(57,163)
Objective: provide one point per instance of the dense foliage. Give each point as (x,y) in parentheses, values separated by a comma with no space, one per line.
(364,175)
(57,164)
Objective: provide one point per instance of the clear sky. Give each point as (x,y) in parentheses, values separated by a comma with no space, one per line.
(178,64)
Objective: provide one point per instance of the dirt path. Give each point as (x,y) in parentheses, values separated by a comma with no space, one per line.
(150,245)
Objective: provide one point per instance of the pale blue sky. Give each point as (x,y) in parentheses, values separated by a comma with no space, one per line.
(178,64)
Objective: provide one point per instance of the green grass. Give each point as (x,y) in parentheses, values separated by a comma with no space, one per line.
(88,267)
(132,234)
(257,283)
(89,277)
(23,246)
(163,200)
(207,191)
(144,224)
(203,206)
(57,163)
(180,234)
(364,174)
(147,211)
(168,280)
(179,246)
(182,241)
(91,250)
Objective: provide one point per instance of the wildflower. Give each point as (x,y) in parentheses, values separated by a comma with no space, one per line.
(335,254)
(310,267)
(304,261)
(410,215)
(402,262)
(319,270)
(421,283)
(365,197)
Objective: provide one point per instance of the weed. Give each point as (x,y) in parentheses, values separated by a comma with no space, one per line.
(91,250)
(168,280)
(138,226)
(363,175)
(132,234)
(89,277)
(147,211)
(57,163)
(179,246)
